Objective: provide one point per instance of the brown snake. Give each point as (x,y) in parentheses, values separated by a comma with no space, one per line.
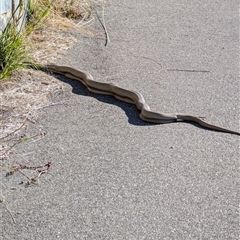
(132,97)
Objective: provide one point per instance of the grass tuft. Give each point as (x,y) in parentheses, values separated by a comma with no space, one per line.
(12,50)
(14,45)
(38,10)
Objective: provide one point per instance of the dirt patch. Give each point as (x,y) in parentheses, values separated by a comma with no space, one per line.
(23,95)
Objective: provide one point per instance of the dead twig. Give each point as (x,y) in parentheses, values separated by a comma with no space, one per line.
(4,204)
(148,58)
(51,104)
(41,170)
(186,70)
(18,141)
(17,129)
(102,22)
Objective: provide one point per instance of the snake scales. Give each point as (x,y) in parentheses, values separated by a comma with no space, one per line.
(128,96)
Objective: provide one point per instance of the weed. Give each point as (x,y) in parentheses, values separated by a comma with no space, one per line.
(37,14)
(13,43)
(12,50)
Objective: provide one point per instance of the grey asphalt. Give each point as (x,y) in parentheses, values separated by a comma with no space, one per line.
(116,177)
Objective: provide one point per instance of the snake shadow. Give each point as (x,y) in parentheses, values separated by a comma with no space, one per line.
(130,110)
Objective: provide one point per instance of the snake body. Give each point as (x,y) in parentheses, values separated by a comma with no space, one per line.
(132,97)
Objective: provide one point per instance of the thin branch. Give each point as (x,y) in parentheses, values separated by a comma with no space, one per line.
(186,70)
(102,22)
(148,58)
(51,104)
(23,123)
(9,211)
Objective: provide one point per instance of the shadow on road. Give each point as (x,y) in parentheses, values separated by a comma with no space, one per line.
(130,110)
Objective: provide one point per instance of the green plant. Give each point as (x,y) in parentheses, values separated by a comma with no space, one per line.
(12,49)
(38,10)
(13,43)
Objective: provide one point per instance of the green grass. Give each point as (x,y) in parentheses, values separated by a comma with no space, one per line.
(12,50)
(38,11)
(14,44)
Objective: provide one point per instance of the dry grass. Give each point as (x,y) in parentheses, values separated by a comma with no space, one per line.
(53,40)
(22,96)
(46,51)
(25,92)
(54,35)
(28,91)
